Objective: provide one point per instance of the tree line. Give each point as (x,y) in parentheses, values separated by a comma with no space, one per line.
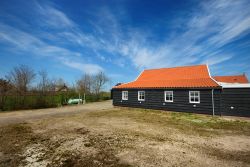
(21,78)
(20,81)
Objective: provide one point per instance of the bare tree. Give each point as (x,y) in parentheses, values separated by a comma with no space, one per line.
(59,82)
(4,86)
(84,84)
(21,77)
(99,80)
(44,82)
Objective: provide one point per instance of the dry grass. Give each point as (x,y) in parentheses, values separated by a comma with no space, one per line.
(126,137)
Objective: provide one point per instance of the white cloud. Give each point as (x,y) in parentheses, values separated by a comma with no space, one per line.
(26,42)
(64,30)
(54,17)
(18,38)
(86,68)
(214,25)
(213,60)
(231,20)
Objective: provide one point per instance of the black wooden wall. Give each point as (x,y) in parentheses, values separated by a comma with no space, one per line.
(235,101)
(154,99)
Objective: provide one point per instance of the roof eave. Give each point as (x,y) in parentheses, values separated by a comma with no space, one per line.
(201,87)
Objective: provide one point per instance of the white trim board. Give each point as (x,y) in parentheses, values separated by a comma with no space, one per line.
(234,85)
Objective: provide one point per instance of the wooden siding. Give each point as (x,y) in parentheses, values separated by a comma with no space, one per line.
(238,98)
(154,99)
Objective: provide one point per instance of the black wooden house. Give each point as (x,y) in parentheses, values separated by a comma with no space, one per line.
(186,89)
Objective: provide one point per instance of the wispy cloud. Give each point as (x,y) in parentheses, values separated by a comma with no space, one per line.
(26,42)
(89,68)
(213,25)
(64,29)
(53,17)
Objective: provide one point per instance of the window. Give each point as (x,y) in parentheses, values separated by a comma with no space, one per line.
(169,96)
(141,95)
(194,96)
(124,95)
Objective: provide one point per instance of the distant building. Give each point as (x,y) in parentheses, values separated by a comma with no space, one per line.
(61,88)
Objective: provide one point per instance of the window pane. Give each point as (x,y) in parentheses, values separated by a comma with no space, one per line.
(141,95)
(194,96)
(124,95)
(196,99)
(168,96)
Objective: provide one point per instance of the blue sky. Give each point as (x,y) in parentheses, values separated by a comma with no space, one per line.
(123,37)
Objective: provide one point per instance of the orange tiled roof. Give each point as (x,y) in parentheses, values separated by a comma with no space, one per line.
(232,79)
(176,77)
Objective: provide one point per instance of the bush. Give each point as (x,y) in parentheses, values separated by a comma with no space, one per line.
(100,97)
(38,100)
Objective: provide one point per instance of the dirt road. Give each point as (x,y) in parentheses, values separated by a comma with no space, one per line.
(26,115)
(99,135)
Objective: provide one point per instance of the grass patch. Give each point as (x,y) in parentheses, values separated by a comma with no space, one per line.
(203,122)
(242,156)
(188,123)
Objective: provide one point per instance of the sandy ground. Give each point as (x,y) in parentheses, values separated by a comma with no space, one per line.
(99,135)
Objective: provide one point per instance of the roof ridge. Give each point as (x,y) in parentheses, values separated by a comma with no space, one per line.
(173,79)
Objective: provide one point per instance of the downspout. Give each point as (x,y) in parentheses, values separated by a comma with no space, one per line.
(212,89)
(213,100)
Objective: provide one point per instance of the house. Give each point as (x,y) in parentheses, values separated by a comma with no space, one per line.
(186,89)
(61,88)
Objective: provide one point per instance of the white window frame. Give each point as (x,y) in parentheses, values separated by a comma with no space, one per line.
(124,97)
(194,92)
(139,96)
(171,94)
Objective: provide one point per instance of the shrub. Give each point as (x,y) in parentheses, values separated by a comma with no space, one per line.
(38,100)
